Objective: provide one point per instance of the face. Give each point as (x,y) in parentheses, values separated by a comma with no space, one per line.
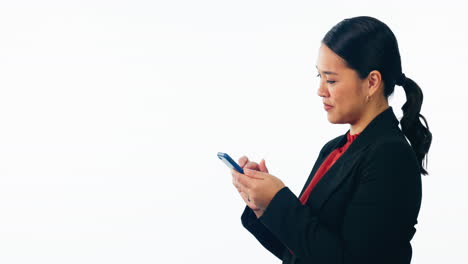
(340,87)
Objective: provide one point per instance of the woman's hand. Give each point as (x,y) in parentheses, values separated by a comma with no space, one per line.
(246,164)
(256,186)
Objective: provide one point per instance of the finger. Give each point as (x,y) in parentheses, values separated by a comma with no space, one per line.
(235,173)
(253,174)
(252,165)
(235,181)
(244,181)
(245,197)
(262,166)
(242,161)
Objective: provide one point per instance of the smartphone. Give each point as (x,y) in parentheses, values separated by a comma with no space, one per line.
(230,162)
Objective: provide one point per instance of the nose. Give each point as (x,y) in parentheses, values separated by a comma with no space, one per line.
(322,90)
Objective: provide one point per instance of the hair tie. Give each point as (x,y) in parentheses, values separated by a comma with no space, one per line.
(401,80)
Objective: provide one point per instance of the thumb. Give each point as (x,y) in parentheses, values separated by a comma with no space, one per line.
(262,166)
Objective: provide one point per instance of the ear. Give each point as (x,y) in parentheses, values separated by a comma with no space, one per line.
(374,80)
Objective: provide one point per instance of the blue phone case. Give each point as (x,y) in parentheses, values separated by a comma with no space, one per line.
(230,162)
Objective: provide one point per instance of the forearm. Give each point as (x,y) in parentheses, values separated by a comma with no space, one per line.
(261,233)
(300,230)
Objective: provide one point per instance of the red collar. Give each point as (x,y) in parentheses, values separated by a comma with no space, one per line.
(350,137)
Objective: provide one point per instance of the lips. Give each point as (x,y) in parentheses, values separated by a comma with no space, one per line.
(327,107)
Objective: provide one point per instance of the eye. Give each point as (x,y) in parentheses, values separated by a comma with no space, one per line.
(329,82)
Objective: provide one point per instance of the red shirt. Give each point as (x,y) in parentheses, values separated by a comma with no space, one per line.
(327,163)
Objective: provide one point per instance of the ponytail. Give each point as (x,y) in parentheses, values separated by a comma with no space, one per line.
(419,136)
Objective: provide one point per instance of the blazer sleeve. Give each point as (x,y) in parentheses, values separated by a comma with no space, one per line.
(377,222)
(261,233)
(267,238)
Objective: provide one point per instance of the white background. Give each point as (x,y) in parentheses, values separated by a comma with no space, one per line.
(112,112)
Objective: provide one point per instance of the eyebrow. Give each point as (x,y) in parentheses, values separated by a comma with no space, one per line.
(328,72)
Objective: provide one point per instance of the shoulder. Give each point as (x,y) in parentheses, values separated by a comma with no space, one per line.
(391,152)
(391,142)
(390,164)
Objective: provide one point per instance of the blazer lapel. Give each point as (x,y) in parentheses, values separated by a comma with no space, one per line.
(342,168)
(340,142)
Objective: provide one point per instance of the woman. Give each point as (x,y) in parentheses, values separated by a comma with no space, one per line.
(362,198)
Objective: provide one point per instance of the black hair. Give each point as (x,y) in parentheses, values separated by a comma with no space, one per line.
(367,44)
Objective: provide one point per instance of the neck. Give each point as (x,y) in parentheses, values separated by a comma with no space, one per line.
(368,115)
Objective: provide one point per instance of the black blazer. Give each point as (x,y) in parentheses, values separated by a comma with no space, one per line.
(362,211)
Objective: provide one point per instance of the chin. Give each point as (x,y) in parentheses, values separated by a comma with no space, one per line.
(334,120)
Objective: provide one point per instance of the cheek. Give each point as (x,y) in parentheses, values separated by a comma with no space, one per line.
(345,94)
(345,101)
(338,95)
